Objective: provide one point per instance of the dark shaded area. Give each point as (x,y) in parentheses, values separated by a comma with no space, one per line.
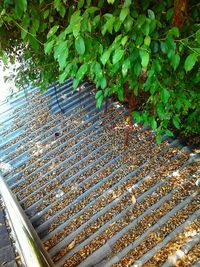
(7,255)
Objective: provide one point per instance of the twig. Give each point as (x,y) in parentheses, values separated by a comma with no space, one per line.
(27,32)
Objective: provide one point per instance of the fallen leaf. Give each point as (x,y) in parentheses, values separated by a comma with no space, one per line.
(133,199)
(71,245)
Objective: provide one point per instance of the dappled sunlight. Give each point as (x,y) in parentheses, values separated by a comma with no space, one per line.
(8,87)
(59,193)
(5,167)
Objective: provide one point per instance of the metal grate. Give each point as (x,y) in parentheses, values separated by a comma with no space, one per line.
(92,200)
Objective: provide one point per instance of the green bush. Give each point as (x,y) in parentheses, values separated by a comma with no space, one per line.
(127,48)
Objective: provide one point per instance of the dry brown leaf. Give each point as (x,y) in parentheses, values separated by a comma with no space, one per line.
(133,199)
(71,245)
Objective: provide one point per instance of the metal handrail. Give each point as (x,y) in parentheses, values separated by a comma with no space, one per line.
(31,249)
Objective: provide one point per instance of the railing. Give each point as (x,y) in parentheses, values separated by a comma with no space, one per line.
(31,249)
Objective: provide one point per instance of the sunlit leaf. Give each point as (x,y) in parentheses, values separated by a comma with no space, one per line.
(190,62)
(118,54)
(80,45)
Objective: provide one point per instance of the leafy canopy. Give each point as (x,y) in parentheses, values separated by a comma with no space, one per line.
(148,47)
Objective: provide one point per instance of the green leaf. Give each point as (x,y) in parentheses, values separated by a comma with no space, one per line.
(59,49)
(26,21)
(118,55)
(80,4)
(75,18)
(153,122)
(137,68)
(161,111)
(125,67)
(111,2)
(104,58)
(97,68)
(23,34)
(145,57)
(75,83)
(139,40)
(43,27)
(108,26)
(4,58)
(35,26)
(120,94)
(75,23)
(170,13)
(178,104)
(76,29)
(98,94)
(169,133)
(51,19)
(127,3)
(163,47)
(158,139)
(141,20)
(153,87)
(65,74)
(20,6)
(48,47)
(190,62)
(81,72)
(164,94)
(175,61)
(117,24)
(60,7)
(136,90)
(96,20)
(33,42)
(174,32)
(145,116)
(106,92)
(124,40)
(155,47)
(124,13)
(62,60)
(92,9)
(128,24)
(145,28)
(176,122)
(102,82)
(117,40)
(156,65)
(137,116)
(80,45)
(198,36)
(52,31)
(61,54)
(151,14)
(171,54)
(99,101)
(46,14)
(147,40)
(62,77)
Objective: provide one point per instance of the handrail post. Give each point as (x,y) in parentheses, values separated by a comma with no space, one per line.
(31,248)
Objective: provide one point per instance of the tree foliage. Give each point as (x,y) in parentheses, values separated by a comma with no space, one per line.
(128,48)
